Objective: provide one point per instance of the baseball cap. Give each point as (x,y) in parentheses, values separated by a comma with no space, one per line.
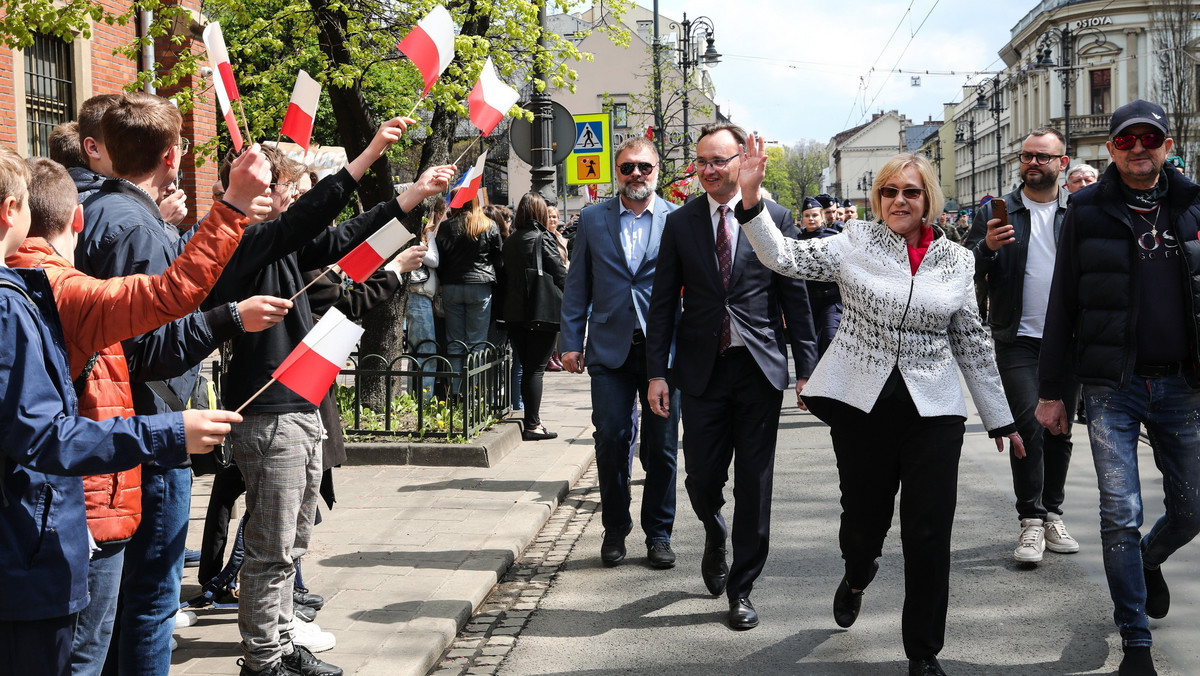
(1138,112)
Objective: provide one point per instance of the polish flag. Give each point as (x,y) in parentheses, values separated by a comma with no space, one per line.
(218,58)
(366,258)
(235,134)
(430,45)
(302,110)
(469,184)
(315,363)
(490,99)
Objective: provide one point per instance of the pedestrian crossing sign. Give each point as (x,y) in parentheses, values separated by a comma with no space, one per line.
(590,161)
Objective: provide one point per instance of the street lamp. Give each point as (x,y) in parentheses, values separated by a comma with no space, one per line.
(994,109)
(865,182)
(964,132)
(1068,40)
(690,58)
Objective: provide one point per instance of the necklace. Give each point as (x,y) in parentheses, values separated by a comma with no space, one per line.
(1153,230)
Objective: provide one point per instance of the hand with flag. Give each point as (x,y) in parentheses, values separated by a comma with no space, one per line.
(433,181)
(385,137)
(205,428)
(408,260)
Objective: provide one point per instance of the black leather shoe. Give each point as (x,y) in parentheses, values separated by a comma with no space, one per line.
(742,614)
(1137,662)
(276,668)
(926,666)
(847,603)
(302,597)
(660,555)
(304,613)
(1158,596)
(304,663)
(713,568)
(612,550)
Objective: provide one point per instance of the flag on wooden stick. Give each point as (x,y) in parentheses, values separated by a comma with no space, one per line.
(366,258)
(302,110)
(315,363)
(430,45)
(490,100)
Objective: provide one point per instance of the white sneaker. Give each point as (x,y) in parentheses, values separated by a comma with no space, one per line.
(309,635)
(1057,537)
(184,618)
(1032,542)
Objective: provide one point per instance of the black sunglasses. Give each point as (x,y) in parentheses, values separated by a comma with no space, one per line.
(628,167)
(909,193)
(1150,140)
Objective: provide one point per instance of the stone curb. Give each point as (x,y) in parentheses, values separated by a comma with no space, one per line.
(485,450)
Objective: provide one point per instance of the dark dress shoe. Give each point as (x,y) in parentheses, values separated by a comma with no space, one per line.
(304,663)
(742,614)
(304,613)
(1137,662)
(612,550)
(847,603)
(303,597)
(1158,595)
(926,666)
(660,555)
(713,568)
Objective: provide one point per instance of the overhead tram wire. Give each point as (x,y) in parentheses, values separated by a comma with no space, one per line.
(902,53)
(864,79)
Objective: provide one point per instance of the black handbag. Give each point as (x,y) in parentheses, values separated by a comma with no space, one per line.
(543,298)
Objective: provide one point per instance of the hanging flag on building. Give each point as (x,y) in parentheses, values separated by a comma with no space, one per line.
(315,363)
(491,99)
(302,110)
(464,191)
(430,45)
(366,258)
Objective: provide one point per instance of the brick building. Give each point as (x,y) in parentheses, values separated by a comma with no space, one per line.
(42,86)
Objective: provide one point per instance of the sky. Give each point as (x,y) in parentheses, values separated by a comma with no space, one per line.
(802,69)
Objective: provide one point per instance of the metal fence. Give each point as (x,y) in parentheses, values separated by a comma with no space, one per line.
(471,389)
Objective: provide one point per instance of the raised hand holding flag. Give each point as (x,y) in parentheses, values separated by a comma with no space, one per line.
(302,110)
(491,99)
(430,45)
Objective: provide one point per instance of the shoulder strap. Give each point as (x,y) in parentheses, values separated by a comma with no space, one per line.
(172,400)
(81,380)
(5,284)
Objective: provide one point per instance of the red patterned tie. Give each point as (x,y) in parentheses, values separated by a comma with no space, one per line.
(725,265)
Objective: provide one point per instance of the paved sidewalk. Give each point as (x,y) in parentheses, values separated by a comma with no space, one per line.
(408,553)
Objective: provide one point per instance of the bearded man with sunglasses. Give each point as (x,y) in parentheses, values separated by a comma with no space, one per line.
(607,297)
(1124,315)
(1015,262)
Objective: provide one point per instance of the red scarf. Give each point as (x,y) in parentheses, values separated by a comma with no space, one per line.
(916,254)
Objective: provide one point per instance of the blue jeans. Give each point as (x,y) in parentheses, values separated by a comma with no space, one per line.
(150,578)
(94,624)
(1170,410)
(468,310)
(615,394)
(422,339)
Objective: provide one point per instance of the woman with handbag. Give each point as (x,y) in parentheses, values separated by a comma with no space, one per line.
(535,275)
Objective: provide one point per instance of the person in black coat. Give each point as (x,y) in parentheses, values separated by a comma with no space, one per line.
(532,311)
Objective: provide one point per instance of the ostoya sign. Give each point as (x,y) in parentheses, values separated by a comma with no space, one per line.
(1093,22)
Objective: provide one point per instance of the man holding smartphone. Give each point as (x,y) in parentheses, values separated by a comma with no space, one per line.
(1015,256)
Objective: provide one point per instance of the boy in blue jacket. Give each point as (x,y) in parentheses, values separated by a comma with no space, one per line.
(44,541)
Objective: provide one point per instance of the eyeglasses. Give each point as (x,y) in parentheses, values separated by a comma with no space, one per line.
(1036,158)
(291,187)
(909,193)
(702,164)
(628,167)
(1150,141)
(184,145)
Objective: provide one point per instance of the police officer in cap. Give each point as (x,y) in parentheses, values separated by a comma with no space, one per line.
(824,298)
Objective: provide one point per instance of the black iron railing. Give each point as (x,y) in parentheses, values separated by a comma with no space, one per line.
(427,395)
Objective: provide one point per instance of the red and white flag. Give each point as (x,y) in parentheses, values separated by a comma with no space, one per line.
(315,363)
(469,184)
(490,99)
(223,83)
(302,110)
(366,258)
(430,45)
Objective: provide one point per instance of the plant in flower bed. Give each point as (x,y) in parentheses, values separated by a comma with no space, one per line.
(438,416)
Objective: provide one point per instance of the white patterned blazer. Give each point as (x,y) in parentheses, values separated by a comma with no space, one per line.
(924,323)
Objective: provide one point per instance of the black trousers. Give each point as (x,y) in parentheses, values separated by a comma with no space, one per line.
(736,419)
(893,449)
(41,647)
(533,348)
(228,485)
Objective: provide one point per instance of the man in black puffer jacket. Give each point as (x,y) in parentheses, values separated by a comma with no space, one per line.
(1123,307)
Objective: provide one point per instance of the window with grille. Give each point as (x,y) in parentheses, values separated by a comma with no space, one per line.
(1101,91)
(49,90)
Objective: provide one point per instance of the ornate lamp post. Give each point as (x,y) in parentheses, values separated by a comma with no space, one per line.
(964,132)
(690,57)
(1067,40)
(994,108)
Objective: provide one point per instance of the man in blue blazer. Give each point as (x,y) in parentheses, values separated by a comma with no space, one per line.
(608,293)
(730,362)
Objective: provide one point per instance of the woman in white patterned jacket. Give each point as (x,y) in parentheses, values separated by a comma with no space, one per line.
(888,387)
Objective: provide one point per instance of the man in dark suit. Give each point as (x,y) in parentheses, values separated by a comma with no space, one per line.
(608,293)
(730,362)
